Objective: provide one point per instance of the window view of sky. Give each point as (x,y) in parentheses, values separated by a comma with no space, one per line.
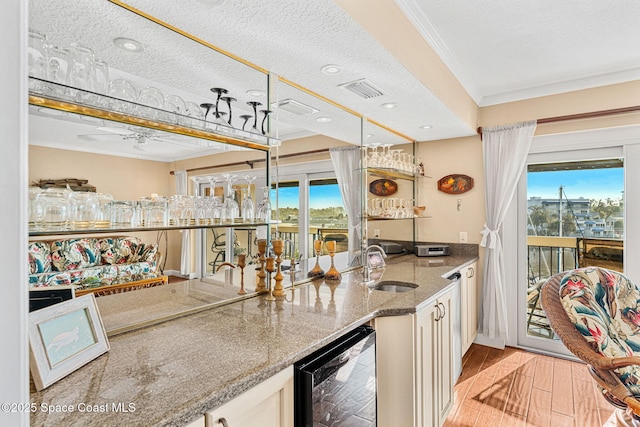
(321,196)
(588,183)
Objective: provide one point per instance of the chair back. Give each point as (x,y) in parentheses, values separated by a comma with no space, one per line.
(596,313)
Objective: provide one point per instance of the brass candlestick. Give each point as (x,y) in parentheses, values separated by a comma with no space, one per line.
(333,273)
(271,268)
(278,249)
(316,271)
(242,263)
(261,286)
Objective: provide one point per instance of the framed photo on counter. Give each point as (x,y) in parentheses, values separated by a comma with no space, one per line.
(64,337)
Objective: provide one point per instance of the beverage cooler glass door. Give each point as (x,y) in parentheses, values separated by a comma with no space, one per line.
(336,385)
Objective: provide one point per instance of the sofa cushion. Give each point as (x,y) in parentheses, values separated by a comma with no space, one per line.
(73,254)
(119,250)
(39,257)
(147,252)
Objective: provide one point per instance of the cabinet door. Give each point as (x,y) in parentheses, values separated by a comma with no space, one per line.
(444,359)
(469,306)
(269,404)
(427,324)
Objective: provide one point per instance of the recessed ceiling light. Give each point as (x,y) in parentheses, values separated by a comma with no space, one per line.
(255,93)
(330,69)
(323,119)
(426,127)
(129,45)
(389,105)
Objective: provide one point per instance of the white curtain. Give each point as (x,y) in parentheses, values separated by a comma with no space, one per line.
(505,150)
(346,163)
(185,257)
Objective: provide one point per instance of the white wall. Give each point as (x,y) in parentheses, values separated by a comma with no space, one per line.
(14,373)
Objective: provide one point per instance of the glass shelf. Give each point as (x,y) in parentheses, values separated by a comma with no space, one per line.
(393,173)
(59,97)
(102,230)
(379,218)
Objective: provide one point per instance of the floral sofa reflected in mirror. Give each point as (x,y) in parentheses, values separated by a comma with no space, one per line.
(102,266)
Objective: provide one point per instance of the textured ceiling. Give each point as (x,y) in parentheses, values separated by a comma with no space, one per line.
(506,50)
(500,50)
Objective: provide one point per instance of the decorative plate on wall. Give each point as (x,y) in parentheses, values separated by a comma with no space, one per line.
(455,184)
(383,187)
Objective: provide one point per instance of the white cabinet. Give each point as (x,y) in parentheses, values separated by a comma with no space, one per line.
(415,365)
(199,422)
(469,305)
(269,404)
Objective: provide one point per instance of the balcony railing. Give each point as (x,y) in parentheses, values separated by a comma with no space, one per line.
(551,255)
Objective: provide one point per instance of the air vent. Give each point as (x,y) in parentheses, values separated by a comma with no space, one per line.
(294,107)
(363,88)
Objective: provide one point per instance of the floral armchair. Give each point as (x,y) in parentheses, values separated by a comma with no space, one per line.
(99,265)
(596,314)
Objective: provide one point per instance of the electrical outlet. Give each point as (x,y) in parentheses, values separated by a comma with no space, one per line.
(376,233)
(463,237)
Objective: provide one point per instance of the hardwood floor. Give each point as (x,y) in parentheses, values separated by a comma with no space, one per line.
(515,388)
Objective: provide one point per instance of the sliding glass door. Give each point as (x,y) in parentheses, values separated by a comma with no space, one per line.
(571,215)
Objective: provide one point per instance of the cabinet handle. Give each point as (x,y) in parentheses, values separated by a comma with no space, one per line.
(471,272)
(444,311)
(438,315)
(223,421)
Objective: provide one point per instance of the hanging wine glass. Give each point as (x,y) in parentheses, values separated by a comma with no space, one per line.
(207,109)
(264,119)
(246,118)
(228,100)
(248,208)
(264,208)
(255,105)
(220,91)
(230,207)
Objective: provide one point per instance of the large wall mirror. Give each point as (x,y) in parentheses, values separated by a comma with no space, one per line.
(162,68)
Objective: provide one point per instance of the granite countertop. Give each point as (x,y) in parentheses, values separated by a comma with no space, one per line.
(173,372)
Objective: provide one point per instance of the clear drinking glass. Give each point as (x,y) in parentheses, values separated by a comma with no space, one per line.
(124,90)
(86,208)
(56,206)
(82,71)
(59,65)
(155,211)
(37,59)
(123,213)
(100,77)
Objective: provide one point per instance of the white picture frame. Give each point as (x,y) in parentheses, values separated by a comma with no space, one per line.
(64,337)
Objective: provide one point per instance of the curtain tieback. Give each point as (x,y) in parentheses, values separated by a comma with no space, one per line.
(490,236)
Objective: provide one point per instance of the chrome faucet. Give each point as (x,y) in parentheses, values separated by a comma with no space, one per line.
(365,261)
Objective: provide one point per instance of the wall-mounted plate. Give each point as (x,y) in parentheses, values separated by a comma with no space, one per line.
(455,184)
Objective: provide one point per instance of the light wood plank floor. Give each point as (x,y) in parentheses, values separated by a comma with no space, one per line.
(515,388)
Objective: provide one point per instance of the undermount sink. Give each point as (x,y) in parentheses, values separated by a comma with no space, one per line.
(394,286)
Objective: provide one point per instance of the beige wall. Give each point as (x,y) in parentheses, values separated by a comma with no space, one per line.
(122,177)
(445,157)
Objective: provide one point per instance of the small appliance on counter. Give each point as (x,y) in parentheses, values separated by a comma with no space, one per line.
(432,250)
(392,248)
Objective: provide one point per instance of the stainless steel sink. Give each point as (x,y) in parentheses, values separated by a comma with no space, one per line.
(394,286)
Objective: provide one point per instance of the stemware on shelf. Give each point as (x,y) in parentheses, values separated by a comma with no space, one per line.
(264,119)
(228,100)
(248,207)
(254,105)
(207,106)
(264,207)
(220,91)
(230,207)
(246,118)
